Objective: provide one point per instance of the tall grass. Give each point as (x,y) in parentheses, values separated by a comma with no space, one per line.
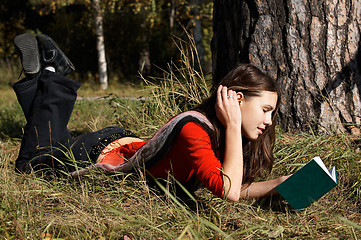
(111,206)
(182,86)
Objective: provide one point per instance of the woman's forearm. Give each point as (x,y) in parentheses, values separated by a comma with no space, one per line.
(261,189)
(233,164)
(229,114)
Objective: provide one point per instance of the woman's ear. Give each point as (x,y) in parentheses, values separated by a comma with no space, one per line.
(240,97)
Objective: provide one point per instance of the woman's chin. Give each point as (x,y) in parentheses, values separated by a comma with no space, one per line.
(252,137)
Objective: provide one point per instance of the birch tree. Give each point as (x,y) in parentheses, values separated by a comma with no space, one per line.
(102,62)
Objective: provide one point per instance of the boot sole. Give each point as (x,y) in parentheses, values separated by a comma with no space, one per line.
(28,47)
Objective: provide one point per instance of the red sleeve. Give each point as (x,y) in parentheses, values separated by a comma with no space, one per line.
(196,143)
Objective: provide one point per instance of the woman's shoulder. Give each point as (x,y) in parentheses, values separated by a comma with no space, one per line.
(194,131)
(193,127)
(189,126)
(192,116)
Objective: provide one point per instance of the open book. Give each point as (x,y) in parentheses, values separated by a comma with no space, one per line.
(308,184)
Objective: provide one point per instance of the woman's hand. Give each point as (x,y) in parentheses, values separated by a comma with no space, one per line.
(262,189)
(227,107)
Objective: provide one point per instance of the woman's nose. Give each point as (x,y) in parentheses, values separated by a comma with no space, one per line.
(268,120)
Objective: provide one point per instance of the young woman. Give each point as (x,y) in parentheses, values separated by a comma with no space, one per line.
(224,144)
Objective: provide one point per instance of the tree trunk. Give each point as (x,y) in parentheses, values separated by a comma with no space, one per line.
(171,15)
(311,47)
(102,62)
(144,63)
(198,30)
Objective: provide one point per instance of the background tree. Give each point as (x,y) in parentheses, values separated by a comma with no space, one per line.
(102,62)
(310,47)
(138,35)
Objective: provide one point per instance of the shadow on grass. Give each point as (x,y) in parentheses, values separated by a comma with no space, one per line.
(77,133)
(274,203)
(10,124)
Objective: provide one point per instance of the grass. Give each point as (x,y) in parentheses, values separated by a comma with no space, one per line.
(109,206)
(112,206)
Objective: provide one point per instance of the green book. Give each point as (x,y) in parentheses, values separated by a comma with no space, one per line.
(308,184)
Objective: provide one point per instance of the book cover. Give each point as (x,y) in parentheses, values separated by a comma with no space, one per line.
(308,184)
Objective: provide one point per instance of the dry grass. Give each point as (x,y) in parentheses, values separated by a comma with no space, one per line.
(111,206)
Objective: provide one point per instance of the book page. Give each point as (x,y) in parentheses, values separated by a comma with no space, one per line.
(331,172)
(322,165)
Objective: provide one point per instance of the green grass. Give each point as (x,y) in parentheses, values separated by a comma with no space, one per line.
(110,206)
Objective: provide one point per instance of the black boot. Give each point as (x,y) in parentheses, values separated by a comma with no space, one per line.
(53,56)
(29,54)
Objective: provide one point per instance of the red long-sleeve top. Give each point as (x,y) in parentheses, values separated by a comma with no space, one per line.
(191,154)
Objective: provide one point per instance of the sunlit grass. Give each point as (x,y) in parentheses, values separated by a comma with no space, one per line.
(109,206)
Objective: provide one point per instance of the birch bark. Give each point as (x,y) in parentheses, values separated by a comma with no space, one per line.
(102,62)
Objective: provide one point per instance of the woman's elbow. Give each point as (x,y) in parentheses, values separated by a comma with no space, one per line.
(233,197)
(232,194)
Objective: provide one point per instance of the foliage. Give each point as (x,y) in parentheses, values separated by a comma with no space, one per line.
(14,19)
(130,27)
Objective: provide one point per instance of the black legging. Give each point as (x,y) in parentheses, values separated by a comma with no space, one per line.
(47,102)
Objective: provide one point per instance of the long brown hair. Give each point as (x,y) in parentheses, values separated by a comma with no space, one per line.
(257,154)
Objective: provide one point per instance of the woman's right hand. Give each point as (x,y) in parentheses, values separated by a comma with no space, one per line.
(228,110)
(229,113)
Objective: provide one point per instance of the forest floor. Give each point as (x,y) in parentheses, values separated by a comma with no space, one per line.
(116,206)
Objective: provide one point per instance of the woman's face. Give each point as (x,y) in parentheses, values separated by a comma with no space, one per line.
(257,114)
